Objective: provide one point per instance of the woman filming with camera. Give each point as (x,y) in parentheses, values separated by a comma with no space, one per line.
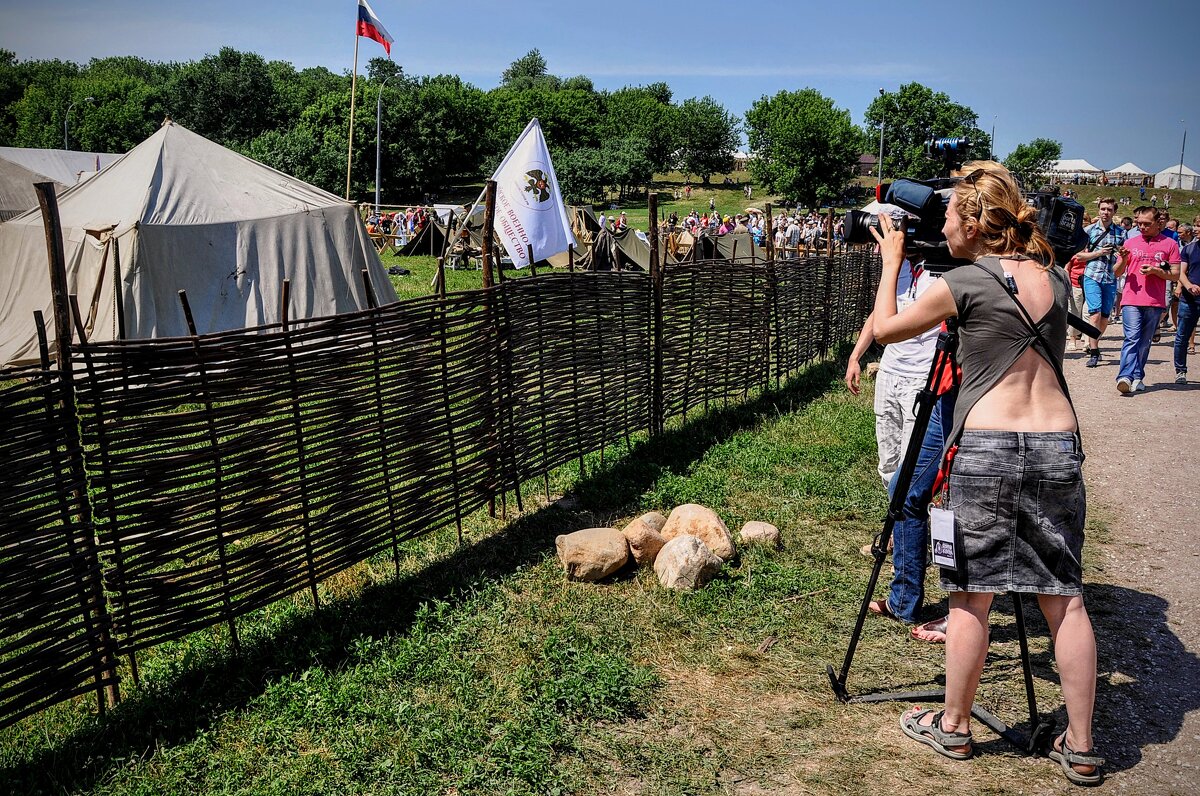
(1015,487)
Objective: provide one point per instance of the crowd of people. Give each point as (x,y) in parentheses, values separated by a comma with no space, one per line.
(1146,278)
(403,225)
(793,232)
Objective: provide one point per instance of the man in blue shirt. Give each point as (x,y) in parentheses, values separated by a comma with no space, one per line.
(1189,301)
(1098,283)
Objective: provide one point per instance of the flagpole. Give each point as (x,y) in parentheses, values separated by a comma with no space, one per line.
(353,86)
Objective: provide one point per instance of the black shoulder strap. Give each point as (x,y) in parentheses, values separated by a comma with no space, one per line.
(1047,352)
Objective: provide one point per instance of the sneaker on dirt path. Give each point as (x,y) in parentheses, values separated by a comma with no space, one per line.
(1124,385)
(1180,377)
(1093,361)
(1138,386)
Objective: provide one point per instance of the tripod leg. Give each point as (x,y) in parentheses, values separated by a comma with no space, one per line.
(926,400)
(1040,729)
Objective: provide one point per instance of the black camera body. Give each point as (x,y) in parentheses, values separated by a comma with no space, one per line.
(1061,220)
(924,204)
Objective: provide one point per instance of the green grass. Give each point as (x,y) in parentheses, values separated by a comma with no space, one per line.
(423,269)
(479,670)
(1090,194)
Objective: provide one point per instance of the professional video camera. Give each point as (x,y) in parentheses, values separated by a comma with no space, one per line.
(919,208)
(1061,220)
(921,213)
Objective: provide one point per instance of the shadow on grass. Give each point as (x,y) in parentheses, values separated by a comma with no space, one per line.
(177,711)
(1146,684)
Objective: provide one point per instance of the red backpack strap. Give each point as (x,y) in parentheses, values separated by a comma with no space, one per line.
(942,483)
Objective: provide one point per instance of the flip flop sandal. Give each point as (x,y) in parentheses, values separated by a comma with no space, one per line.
(884,611)
(934,736)
(936,626)
(1067,758)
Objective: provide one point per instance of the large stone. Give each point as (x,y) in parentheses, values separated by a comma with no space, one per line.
(593,553)
(644,538)
(764,533)
(695,520)
(686,563)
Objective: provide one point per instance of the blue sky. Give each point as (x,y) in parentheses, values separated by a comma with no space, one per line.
(1111,81)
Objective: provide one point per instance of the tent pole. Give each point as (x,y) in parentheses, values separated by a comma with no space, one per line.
(120,300)
(353,86)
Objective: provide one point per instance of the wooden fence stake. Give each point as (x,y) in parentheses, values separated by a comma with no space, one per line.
(218,473)
(298,428)
(489,221)
(656,285)
(94,603)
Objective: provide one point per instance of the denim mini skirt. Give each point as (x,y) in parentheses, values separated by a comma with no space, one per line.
(1019,507)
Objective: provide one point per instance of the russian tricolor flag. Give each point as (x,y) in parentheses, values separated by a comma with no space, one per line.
(370,26)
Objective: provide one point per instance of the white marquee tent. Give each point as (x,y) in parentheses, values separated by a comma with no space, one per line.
(1072,168)
(189,214)
(1178,178)
(1128,169)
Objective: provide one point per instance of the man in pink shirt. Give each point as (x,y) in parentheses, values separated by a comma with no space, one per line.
(1148,261)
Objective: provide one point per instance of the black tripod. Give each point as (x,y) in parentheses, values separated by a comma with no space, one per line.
(1041,728)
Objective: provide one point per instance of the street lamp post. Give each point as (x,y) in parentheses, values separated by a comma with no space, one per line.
(896,105)
(67,121)
(378,114)
(992,141)
(1182,149)
(879,179)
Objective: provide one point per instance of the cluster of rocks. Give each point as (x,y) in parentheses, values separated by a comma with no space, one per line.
(686,548)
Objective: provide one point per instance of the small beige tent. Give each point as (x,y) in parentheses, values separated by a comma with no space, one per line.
(189,215)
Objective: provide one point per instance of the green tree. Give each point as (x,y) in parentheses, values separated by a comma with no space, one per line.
(380,69)
(314,150)
(46,90)
(296,90)
(805,148)
(645,114)
(529,71)
(434,131)
(912,116)
(583,174)
(1030,162)
(569,118)
(228,97)
(707,136)
(126,111)
(627,166)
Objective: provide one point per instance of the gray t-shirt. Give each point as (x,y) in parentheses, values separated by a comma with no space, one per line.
(993,334)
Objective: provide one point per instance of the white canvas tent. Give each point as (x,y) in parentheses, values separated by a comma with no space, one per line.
(61,165)
(1184,179)
(1128,169)
(16,188)
(189,215)
(20,168)
(1077,167)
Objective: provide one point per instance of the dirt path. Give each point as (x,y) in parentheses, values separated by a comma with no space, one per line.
(1142,455)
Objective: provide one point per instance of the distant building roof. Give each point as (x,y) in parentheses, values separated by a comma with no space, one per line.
(867,157)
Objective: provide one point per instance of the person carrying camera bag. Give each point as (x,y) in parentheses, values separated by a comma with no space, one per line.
(1016,501)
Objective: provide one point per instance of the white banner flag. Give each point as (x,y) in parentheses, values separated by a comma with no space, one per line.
(529,206)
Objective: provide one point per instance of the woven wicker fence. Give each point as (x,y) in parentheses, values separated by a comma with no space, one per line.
(54,633)
(230,470)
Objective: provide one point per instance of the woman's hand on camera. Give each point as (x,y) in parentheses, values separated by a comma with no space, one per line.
(891,242)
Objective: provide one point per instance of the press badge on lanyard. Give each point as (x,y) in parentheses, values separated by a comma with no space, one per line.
(941,521)
(941,532)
